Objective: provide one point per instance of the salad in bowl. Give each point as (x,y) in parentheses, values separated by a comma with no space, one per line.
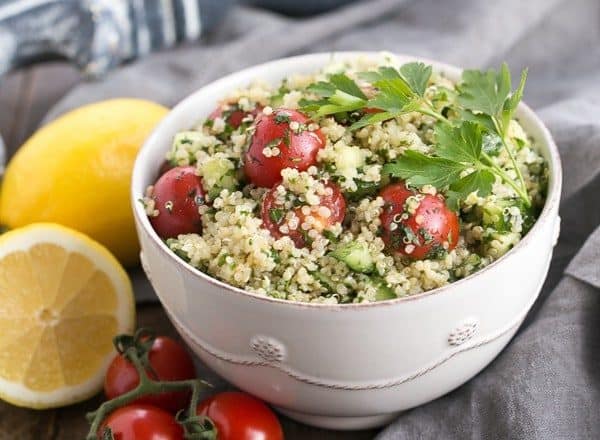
(362,181)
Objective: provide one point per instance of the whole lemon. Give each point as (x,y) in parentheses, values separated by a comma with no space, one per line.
(76,171)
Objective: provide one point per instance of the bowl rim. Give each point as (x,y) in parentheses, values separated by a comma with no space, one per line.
(318,58)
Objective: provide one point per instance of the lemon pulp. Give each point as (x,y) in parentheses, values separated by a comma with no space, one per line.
(63,297)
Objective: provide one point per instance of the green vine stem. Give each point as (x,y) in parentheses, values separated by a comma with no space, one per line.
(135,349)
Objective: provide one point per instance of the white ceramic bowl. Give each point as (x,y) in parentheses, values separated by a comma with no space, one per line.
(347,366)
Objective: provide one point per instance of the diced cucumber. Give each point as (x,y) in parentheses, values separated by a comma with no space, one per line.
(356,256)
(495,214)
(503,242)
(383,290)
(218,172)
(473,260)
(228,180)
(348,158)
(188,138)
(492,144)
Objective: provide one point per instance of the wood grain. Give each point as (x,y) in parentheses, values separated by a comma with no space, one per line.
(25,97)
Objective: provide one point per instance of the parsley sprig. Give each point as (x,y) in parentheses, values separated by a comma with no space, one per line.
(487,98)
(462,161)
(460,164)
(339,95)
(398,91)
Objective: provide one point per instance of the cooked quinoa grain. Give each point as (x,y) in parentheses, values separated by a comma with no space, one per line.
(236,246)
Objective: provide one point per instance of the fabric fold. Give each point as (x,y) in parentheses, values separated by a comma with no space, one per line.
(586,264)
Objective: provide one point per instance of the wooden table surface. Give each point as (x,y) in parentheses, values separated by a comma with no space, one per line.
(25,97)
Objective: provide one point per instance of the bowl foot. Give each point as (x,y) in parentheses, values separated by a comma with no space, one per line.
(341,423)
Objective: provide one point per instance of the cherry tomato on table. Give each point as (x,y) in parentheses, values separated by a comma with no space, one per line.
(168,359)
(232,115)
(432,228)
(142,422)
(177,195)
(274,214)
(290,142)
(239,416)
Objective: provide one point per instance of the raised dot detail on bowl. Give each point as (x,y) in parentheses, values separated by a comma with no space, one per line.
(267,348)
(463,332)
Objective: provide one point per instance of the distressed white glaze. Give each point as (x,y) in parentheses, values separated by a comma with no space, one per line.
(343,366)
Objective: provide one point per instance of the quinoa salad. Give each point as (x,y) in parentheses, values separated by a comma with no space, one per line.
(364,181)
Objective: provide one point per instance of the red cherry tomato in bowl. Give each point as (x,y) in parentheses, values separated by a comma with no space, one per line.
(142,422)
(331,210)
(427,232)
(232,114)
(164,167)
(168,359)
(177,194)
(239,416)
(291,145)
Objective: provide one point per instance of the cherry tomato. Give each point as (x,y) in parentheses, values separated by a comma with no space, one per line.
(164,167)
(142,422)
(168,359)
(274,214)
(426,233)
(177,195)
(232,115)
(296,147)
(239,416)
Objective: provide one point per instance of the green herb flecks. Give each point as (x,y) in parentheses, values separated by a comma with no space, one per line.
(409,237)
(356,256)
(329,235)
(276,215)
(282,117)
(275,256)
(363,189)
(287,138)
(436,252)
(274,143)
(424,233)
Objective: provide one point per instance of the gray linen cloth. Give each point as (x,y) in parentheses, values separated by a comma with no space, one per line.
(546,384)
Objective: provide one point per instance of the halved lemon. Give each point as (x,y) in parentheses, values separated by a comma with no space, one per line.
(63,297)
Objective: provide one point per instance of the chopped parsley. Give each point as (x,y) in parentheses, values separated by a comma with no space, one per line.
(282,117)
(437,252)
(276,215)
(274,143)
(424,233)
(409,236)
(329,235)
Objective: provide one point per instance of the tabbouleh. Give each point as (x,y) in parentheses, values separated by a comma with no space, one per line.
(367,134)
